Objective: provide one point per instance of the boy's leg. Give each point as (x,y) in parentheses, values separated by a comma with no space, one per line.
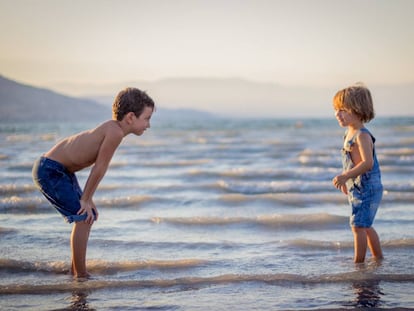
(360,243)
(79,243)
(374,243)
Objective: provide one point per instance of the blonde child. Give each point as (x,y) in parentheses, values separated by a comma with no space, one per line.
(361,176)
(54,172)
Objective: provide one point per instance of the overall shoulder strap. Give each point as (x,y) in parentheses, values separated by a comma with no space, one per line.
(365,130)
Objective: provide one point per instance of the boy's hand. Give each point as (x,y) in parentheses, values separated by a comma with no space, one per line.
(89,208)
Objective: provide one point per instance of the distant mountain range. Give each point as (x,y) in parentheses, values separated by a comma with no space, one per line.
(20,102)
(237,97)
(189,99)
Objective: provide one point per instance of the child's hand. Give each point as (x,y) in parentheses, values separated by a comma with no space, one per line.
(339,182)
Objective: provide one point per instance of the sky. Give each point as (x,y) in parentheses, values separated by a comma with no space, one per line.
(306,43)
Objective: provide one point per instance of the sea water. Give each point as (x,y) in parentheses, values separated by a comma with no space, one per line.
(215,214)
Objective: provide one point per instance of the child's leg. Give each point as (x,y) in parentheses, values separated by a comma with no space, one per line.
(360,243)
(79,243)
(374,243)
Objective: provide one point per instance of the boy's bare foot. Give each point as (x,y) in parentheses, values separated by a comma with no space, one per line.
(82,277)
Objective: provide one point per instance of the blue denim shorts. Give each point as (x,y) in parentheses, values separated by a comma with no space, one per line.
(364,199)
(60,187)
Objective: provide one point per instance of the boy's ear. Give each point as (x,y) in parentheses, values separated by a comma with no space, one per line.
(130,117)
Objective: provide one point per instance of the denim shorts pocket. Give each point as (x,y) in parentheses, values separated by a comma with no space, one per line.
(60,183)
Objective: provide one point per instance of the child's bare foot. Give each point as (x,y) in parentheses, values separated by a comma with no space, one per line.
(81,277)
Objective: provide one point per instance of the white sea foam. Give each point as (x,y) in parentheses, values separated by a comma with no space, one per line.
(185,282)
(289,221)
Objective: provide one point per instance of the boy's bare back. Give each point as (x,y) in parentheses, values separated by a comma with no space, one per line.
(82,150)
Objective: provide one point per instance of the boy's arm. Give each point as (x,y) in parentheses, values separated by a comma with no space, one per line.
(107,149)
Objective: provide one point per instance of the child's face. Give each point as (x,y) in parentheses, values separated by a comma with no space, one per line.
(141,123)
(346,117)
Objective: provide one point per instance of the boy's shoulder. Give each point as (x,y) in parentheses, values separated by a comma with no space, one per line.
(110,128)
(110,125)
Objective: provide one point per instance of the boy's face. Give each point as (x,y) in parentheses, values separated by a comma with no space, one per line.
(141,123)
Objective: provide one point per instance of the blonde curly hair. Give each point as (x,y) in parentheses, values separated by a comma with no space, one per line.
(356,99)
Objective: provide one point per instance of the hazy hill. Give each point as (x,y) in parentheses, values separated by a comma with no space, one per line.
(232,97)
(189,99)
(19,102)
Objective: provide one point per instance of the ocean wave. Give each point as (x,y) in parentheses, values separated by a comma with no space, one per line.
(160,164)
(321,245)
(399,187)
(398,152)
(104,267)
(38,203)
(21,204)
(18,266)
(192,282)
(98,267)
(405,243)
(292,221)
(397,156)
(242,173)
(392,168)
(13,189)
(31,137)
(306,199)
(274,187)
(177,163)
(398,243)
(22,167)
(286,199)
(398,197)
(398,163)
(245,173)
(318,158)
(173,245)
(126,201)
(4,231)
(20,138)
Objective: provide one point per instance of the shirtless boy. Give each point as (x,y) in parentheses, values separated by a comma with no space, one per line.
(54,172)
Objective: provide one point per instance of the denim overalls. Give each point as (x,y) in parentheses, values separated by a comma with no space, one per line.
(364,191)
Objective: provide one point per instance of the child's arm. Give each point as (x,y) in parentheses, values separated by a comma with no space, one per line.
(107,149)
(363,161)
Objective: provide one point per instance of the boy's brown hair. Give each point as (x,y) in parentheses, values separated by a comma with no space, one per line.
(357,99)
(130,100)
